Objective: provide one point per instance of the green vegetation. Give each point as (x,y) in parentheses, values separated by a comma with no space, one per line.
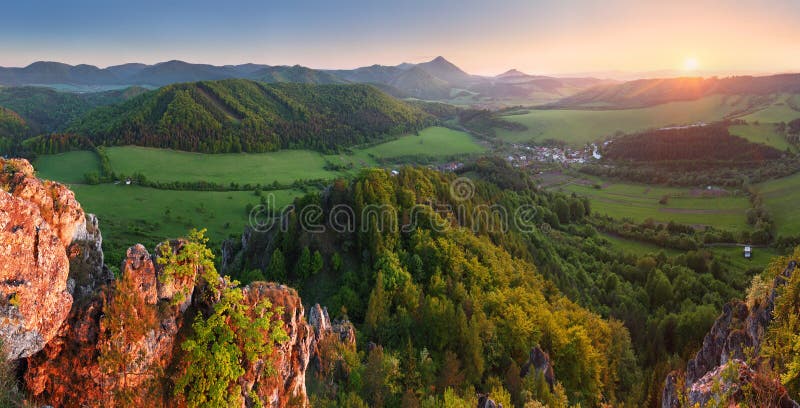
(578,127)
(12,129)
(764,133)
(636,247)
(431,142)
(718,208)
(129,214)
(407,291)
(784,108)
(47,110)
(783,340)
(69,167)
(241,115)
(164,165)
(708,146)
(780,199)
(733,257)
(471,309)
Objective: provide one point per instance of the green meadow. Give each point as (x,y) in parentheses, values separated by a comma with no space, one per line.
(763,133)
(782,109)
(129,214)
(430,142)
(283,166)
(578,127)
(67,167)
(636,247)
(641,202)
(781,198)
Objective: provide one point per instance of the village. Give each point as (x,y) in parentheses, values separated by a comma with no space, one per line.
(523,156)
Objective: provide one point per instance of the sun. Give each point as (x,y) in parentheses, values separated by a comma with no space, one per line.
(690,64)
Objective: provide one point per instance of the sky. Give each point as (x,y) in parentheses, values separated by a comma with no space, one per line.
(482,37)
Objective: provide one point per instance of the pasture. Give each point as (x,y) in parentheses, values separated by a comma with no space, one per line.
(432,142)
(132,214)
(283,166)
(784,108)
(641,202)
(164,165)
(68,167)
(636,247)
(578,127)
(781,198)
(762,133)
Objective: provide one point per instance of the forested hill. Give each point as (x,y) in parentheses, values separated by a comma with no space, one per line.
(45,110)
(10,126)
(241,115)
(698,143)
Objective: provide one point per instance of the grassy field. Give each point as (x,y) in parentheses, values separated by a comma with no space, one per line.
(431,142)
(763,133)
(641,202)
(637,247)
(133,214)
(779,111)
(578,127)
(781,198)
(734,258)
(67,167)
(284,166)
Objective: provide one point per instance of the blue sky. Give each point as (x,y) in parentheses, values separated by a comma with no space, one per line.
(481,36)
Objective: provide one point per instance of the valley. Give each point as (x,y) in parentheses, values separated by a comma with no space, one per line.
(648,204)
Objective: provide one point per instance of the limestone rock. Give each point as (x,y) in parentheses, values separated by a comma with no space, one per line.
(539,363)
(288,387)
(87,269)
(738,329)
(37,222)
(73,370)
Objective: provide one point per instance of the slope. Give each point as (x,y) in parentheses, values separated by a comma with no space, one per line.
(241,115)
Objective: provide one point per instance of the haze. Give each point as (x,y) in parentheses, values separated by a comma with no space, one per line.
(549,37)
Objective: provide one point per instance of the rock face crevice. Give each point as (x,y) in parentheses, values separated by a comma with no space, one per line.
(736,334)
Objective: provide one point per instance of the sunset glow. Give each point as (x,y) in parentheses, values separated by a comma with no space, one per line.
(690,64)
(539,37)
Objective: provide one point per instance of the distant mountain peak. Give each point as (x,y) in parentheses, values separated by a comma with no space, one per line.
(512,73)
(444,69)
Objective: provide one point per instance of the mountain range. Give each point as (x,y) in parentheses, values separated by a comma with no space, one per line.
(438,79)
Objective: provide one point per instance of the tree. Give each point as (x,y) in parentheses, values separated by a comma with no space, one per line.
(562,210)
(276,270)
(316,263)
(218,346)
(303,267)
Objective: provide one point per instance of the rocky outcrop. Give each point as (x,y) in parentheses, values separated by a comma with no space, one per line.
(342,330)
(732,381)
(90,340)
(37,222)
(539,363)
(288,386)
(76,369)
(114,348)
(485,402)
(87,269)
(735,335)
